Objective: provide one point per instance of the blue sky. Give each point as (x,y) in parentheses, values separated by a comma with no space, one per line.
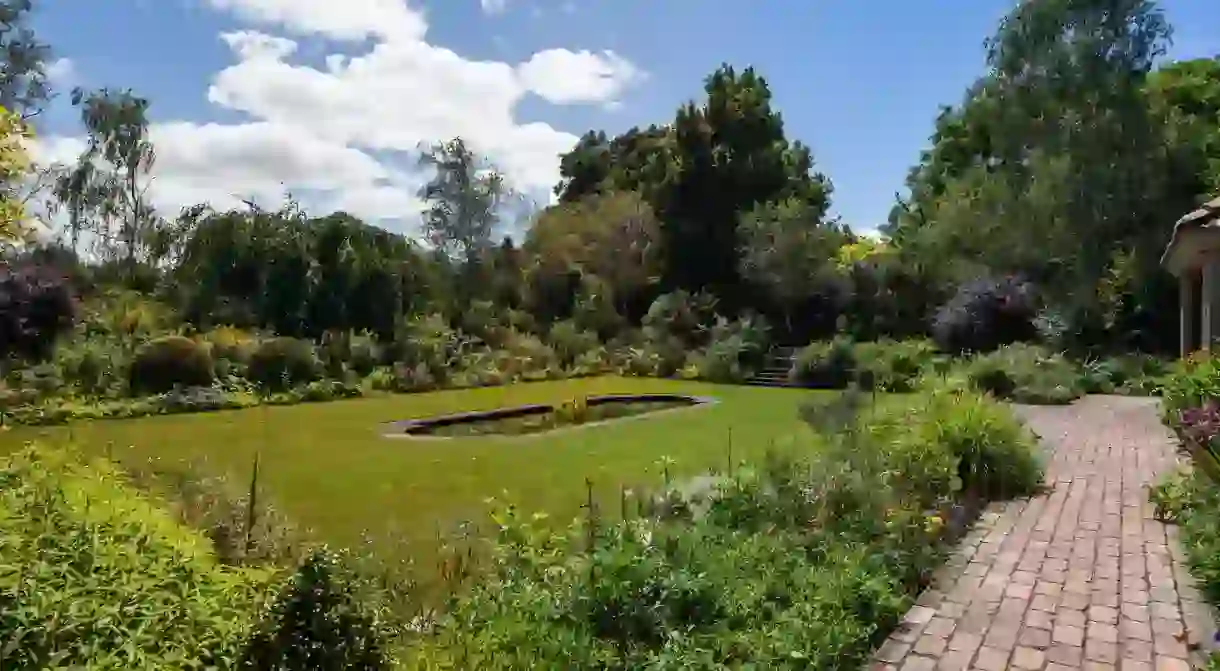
(859,81)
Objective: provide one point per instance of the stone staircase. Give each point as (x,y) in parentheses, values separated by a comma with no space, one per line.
(774,372)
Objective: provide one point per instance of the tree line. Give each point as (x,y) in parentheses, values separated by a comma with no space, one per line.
(1063,165)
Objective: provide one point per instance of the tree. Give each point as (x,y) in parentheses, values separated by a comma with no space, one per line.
(464,199)
(614,236)
(23,59)
(1055,158)
(790,252)
(717,160)
(14,166)
(117,126)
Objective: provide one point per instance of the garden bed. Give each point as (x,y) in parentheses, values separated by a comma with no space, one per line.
(541,418)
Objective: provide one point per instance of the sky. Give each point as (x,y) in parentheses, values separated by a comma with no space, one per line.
(330,100)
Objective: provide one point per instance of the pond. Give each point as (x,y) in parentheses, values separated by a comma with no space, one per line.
(531,419)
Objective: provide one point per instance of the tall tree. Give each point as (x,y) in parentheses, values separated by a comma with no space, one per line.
(1054,160)
(614,236)
(464,198)
(23,60)
(117,126)
(717,160)
(787,249)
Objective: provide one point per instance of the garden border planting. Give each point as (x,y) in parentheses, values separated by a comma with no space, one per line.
(418,429)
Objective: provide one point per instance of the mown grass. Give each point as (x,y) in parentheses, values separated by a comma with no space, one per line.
(327,466)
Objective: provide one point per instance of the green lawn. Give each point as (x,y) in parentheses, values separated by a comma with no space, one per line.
(328,467)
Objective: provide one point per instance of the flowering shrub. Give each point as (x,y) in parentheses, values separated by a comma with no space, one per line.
(985,314)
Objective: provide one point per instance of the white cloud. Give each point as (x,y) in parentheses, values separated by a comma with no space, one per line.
(346,20)
(562,76)
(493,6)
(325,132)
(61,73)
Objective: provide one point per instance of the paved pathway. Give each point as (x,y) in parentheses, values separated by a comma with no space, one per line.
(1079,578)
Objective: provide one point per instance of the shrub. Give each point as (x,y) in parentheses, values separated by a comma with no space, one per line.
(328,616)
(344,351)
(171,361)
(735,349)
(280,363)
(36,309)
(570,342)
(95,366)
(229,344)
(1193,501)
(985,314)
(1026,374)
(682,315)
(796,564)
(1132,374)
(427,341)
(150,595)
(997,456)
(827,364)
(1190,383)
(893,366)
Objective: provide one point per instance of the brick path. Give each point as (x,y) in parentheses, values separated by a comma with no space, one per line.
(1079,578)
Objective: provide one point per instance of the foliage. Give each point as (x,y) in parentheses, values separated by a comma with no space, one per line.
(328,616)
(570,342)
(826,364)
(1172,495)
(997,458)
(681,315)
(1014,180)
(985,314)
(893,366)
(95,575)
(717,160)
(280,363)
(1200,428)
(735,350)
(170,362)
(796,564)
(1191,383)
(244,528)
(1193,501)
(464,199)
(614,237)
(24,86)
(1129,374)
(14,166)
(36,309)
(787,249)
(1026,374)
(94,367)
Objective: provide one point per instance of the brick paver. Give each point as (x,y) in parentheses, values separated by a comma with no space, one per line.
(1081,577)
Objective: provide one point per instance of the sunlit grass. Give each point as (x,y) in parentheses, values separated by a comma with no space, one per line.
(329,468)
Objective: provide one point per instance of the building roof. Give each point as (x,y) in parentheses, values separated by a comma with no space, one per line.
(1207,216)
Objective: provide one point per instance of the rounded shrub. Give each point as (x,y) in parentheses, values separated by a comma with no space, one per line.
(985,314)
(171,361)
(280,363)
(826,364)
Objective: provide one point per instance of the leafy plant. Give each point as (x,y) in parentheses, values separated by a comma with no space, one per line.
(279,363)
(985,314)
(37,308)
(94,575)
(171,361)
(824,364)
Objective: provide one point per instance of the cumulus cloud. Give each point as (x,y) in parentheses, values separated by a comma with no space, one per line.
(61,72)
(350,20)
(562,76)
(324,132)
